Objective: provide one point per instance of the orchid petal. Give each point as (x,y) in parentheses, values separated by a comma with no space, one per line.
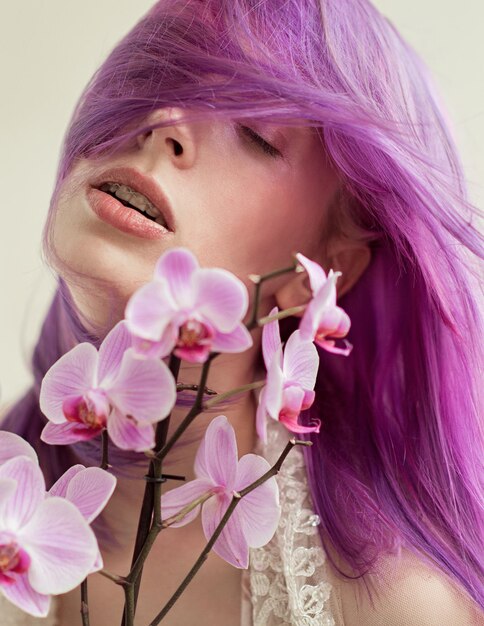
(216,457)
(308,399)
(328,344)
(261,417)
(220,297)
(173,501)
(259,510)
(148,311)
(301,361)
(143,388)
(157,349)
(271,340)
(111,351)
(72,375)
(89,490)
(292,399)
(317,275)
(193,354)
(98,564)
(274,386)
(176,267)
(324,300)
(67,433)
(128,434)
(30,492)
(331,319)
(23,596)
(291,423)
(59,488)
(308,325)
(238,340)
(12,445)
(231,545)
(8,486)
(61,544)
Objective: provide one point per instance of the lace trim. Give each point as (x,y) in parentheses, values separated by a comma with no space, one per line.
(287,576)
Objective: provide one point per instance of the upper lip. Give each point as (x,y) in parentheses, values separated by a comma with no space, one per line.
(138,182)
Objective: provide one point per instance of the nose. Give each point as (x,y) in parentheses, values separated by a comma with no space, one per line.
(175,141)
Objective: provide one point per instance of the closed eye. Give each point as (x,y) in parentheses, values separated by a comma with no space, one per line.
(262,143)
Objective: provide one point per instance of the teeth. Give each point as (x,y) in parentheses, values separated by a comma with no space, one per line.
(123,192)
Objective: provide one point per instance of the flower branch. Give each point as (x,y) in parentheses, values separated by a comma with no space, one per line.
(121,391)
(237,497)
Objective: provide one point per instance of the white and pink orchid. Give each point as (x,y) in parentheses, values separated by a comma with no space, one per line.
(322,317)
(189,310)
(87,391)
(290,380)
(219,474)
(46,544)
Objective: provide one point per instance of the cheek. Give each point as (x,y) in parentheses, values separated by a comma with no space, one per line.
(257,224)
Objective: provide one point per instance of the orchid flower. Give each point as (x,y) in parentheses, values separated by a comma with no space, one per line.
(219,474)
(290,381)
(46,545)
(88,489)
(87,391)
(322,316)
(188,310)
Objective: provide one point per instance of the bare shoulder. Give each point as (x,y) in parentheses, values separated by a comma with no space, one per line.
(408,592)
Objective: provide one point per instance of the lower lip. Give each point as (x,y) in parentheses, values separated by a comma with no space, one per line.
(122,217)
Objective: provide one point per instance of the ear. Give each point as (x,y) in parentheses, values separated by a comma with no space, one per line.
(348,257)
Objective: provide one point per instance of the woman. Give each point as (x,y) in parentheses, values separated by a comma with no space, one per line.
(270,128)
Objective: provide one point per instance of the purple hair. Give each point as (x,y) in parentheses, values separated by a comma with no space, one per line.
(398,461)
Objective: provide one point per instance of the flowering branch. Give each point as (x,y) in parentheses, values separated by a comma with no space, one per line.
(105,450)
(123,389)
(237,496)
(192,414)
(84,603)
(184,386)
(151,495)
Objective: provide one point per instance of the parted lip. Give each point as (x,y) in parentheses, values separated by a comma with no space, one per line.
(138,182)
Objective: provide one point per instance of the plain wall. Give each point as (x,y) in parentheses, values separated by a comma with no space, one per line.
(49,50)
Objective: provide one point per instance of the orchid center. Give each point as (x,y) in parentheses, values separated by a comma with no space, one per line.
(193,333)
(89,411)
(12,559)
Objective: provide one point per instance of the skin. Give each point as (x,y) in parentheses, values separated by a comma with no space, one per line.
(235,206)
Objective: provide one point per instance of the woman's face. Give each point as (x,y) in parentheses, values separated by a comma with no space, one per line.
(236,204)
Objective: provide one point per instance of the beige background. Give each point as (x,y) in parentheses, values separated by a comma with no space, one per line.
(49,50)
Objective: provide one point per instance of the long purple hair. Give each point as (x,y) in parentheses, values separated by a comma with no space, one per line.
(398,462)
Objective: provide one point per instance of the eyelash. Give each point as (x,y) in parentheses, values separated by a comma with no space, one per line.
(257,139)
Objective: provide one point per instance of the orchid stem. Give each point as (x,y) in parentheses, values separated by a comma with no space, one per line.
(281,315)
(119,580)
(105,450)
(235,500)
(185,386)
(84,603)
(129,606)
(192,414)
(149,500)
(223,396)
(186,509)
